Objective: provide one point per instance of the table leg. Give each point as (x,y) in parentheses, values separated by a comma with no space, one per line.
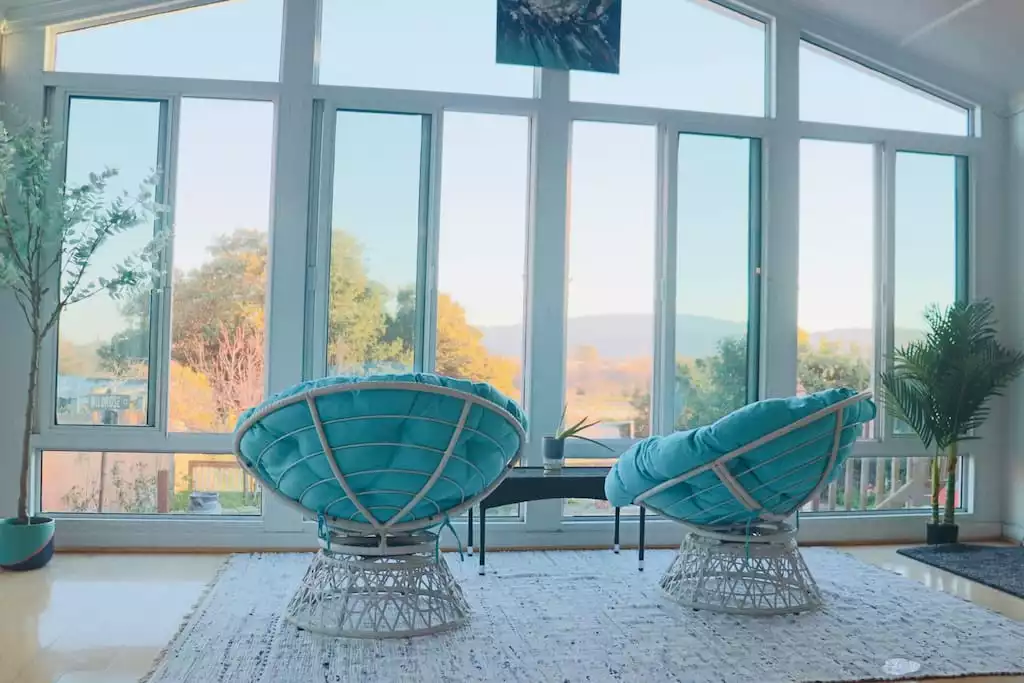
(469,531)
(615,548)
(643,518)
(483,537)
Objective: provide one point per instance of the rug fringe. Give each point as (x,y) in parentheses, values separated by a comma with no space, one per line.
(187,619)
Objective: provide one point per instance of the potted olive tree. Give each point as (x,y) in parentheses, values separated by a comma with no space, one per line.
(50,233)
(941,386)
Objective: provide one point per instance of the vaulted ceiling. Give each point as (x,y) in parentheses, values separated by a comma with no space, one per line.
(982,39)
(979,38)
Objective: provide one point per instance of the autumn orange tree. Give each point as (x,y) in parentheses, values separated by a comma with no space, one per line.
(460,347)
(218,330)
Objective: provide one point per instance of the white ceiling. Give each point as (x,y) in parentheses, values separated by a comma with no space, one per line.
(983,39)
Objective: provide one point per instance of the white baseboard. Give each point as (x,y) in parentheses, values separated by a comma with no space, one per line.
(83,533)
(1013,532)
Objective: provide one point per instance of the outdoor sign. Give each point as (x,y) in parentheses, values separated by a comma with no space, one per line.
(109,401)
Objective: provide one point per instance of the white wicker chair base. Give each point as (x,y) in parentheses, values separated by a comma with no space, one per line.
(377,597)
(763,577)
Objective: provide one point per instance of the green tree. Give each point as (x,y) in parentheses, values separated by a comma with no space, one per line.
(710,388)
(713,387)
(358,323)
(827,366)
(227,291)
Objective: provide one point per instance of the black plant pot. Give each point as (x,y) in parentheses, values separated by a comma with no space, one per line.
(554,453)
(943,534)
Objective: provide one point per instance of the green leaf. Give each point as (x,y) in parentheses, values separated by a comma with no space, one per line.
(942,385)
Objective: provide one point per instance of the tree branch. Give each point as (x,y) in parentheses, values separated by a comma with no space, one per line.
(7,231)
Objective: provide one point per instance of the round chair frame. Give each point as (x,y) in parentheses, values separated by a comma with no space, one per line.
(377,579)
(755,568)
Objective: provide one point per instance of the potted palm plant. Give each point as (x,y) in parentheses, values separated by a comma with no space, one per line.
(941,387)
(49,235)
(554,446)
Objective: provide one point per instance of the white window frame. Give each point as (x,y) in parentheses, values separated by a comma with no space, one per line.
(296,98)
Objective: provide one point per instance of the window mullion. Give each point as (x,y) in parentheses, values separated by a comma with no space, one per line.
(663,389)
(290,221)
(160,315)
(318,263)
(964,276)
(885,272)
(754,288)
(547,281)
(57,111)
(425,354)
(781,230)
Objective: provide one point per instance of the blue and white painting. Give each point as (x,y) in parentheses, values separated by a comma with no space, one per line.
(560,34)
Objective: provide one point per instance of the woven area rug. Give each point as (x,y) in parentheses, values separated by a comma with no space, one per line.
(591,616)
(999,568)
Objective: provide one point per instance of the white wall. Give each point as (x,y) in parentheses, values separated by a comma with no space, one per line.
(1013,480)
(990,280)
(23,92)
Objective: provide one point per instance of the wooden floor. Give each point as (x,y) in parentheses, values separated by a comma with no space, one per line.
(104,618)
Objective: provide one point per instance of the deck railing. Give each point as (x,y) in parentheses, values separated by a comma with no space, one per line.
(887,483)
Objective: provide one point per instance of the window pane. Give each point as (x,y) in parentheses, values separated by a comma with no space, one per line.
(712,294)
(926,255)
(925,239)
(834,89)
(104,350)
(883,485)
(446,47)
(147,484)
(372,315)
(683,54)
(836,299)
(611,277)
(221,216)
(481,291)
(237,40)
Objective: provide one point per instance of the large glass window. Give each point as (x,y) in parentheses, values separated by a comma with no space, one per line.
(611,277)
(447,47)
(222,213)
(481,291)
(373,319)
(684,54)
(103,360)
(715,363)
(834,89)
(837,277)
(147,484)
(236,40)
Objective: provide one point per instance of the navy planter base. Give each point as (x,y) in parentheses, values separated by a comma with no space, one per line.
(25,547)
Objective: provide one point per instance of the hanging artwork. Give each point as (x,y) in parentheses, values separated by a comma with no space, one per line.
(560,34)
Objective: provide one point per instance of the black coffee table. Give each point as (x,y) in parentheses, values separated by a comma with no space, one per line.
(524,484)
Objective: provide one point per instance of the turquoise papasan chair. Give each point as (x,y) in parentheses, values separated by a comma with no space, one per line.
(381,463)
(735,485)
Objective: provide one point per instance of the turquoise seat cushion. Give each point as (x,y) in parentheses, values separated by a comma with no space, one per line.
(386,442)
(780,475)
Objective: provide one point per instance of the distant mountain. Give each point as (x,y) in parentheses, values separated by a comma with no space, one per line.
(624,335)
(632,335)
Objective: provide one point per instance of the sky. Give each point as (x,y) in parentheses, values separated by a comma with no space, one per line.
(675,54)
